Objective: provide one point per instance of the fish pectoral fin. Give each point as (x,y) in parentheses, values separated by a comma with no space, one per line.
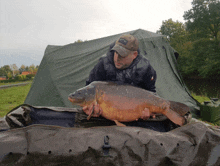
(88,117)
(119,124)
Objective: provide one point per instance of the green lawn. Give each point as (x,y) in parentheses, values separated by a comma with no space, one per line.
(17,82)
(12,97)
(200,99)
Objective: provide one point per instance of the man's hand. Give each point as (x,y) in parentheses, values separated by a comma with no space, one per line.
(146,114)
(93,110)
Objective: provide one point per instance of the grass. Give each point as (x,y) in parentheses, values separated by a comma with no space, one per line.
(17,82)
(200,99)
(12,97)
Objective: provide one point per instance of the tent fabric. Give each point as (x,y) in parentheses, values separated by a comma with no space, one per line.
(192,144)
(65,69)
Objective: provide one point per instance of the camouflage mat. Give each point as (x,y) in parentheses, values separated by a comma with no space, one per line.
(192,144)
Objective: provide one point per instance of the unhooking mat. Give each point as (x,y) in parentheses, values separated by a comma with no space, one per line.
(192,144)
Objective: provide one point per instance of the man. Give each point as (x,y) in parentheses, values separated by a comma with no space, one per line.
(124,65)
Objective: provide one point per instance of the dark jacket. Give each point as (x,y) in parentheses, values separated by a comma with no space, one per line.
(140,73)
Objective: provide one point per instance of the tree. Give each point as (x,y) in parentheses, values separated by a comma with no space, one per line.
(171,28)
(2,73)
(5,70)
(204,18)
(206,58)
(26,68)
(203,25)
(175,32)
(22,68)
(32,68)
(179,39)
(78,41)
(14,69)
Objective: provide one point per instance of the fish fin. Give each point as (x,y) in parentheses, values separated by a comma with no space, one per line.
(119,124)
(88,117)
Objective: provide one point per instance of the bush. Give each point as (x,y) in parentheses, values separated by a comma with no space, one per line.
(19,78)
(22,77)
(8,81)
(9,76)
(30,76)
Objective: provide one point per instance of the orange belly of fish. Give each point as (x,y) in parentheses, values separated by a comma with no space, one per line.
(121,115)
(123,109)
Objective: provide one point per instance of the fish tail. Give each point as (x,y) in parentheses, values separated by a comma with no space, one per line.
(175,117)
(179,108)
(175,112)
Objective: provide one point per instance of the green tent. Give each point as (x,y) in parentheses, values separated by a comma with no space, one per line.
(65,68)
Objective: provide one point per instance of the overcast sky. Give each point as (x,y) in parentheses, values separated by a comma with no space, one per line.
(34,24)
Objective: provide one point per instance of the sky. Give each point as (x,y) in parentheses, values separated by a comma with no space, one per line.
(28,26)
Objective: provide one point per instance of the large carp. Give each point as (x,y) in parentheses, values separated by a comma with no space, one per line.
(125,103)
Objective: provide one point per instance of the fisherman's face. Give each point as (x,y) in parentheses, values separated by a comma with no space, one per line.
(124,62)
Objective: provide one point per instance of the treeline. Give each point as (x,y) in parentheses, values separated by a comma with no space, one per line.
(12,73)
(198,40)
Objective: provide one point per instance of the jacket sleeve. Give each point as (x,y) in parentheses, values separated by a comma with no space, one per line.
(97,73)
(150,79)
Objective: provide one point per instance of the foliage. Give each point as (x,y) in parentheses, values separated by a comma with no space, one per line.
(8,81)
(9,76)
(179,40)
(14,69)
(78,41)
(21,77)
(22,69)
(204,17)
(30,76)
(175,31)
(197,41)
(32,68)
(5,70)
(207,57)
(203,25)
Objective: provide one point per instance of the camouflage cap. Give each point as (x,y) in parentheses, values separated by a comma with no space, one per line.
(125,44)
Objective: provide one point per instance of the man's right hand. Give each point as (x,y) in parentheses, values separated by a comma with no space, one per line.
(146,114)
(93,110)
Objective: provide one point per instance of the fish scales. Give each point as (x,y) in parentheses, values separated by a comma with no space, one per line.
(125,103)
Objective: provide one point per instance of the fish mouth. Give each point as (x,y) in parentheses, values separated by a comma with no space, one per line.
(76,101)
(70,99)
